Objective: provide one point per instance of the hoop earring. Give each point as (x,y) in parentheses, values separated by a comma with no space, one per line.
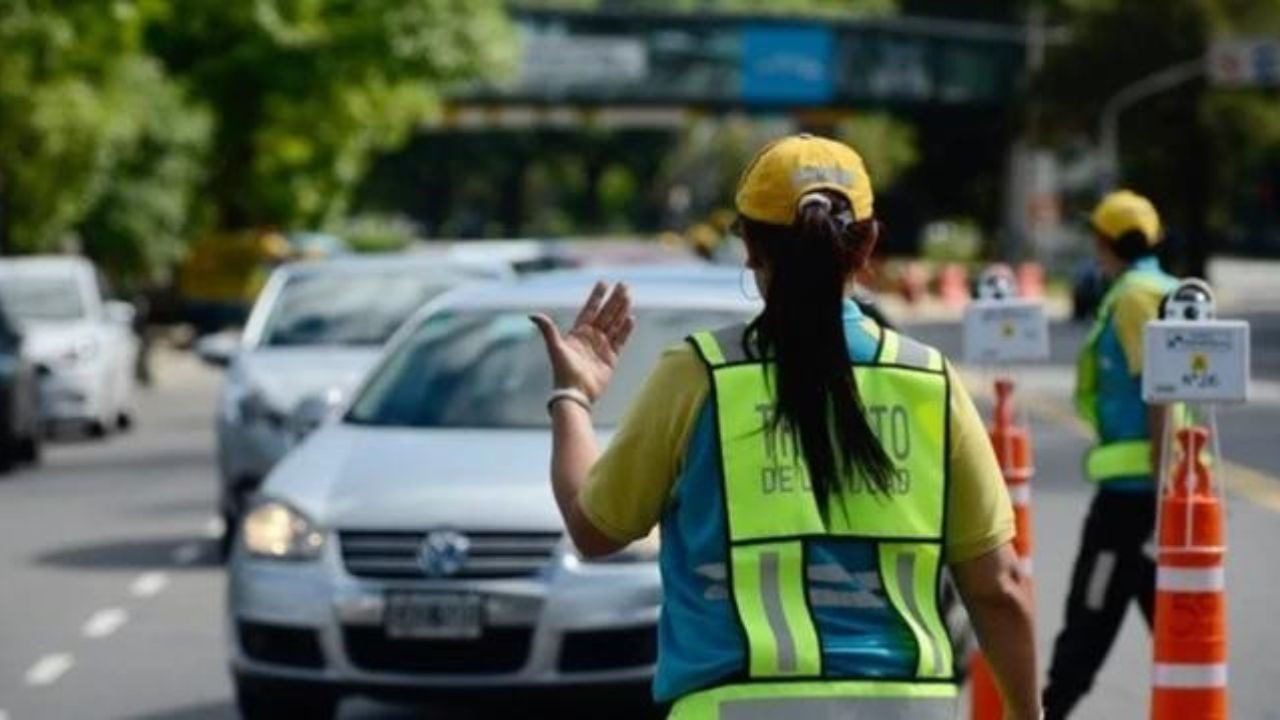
(742,286)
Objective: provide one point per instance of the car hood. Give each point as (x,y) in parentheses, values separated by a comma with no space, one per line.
(288,375)
(45,341)
(359,477)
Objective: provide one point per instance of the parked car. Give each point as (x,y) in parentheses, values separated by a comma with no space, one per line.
(314,331)
(84,340)
(414,545)
(20,428)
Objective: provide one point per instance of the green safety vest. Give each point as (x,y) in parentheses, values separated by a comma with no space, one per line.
(772,517)
(1125,458)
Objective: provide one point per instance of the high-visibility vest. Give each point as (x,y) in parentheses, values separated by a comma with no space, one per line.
(1124,458)
(773,518)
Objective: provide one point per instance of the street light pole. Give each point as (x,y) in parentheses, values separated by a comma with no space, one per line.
(1128,96)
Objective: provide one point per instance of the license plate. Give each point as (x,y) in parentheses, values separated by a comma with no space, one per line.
(433,616)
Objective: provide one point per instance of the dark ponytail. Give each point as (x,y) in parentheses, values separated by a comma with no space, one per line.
(801,333)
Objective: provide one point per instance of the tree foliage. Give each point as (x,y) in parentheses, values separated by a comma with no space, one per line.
(307,91)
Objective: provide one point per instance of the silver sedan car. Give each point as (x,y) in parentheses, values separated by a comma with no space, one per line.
(315,330)
(414,544)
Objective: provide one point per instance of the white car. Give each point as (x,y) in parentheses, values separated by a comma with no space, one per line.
(314,331)
(414,546)
(84,340)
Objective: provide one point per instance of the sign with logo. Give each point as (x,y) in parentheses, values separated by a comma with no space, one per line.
(1196,361)
(1003,332)
(1245,62)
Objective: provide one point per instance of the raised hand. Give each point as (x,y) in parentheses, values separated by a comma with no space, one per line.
(584,358)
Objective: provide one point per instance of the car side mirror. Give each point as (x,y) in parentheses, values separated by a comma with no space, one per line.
(218,349)
(313,411)
(119,312)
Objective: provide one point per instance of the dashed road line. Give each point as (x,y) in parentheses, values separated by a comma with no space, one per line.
(148,584)
(105,622)
(186,553)
(48,669)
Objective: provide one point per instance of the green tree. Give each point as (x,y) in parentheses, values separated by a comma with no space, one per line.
(307,91)
(73,82)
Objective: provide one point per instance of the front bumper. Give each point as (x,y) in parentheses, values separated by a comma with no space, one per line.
(572,624)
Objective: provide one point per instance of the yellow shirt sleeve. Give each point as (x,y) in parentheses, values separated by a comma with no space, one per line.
(1133,310)
(979,514)
(630,484)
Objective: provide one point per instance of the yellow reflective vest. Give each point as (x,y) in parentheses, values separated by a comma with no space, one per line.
(773,519)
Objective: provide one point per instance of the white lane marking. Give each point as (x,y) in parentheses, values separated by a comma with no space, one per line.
(213,528)
(104,622)
(4,715)
(49,668)
(186,554)
(148,584)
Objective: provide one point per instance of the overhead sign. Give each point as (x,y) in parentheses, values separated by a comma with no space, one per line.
(1245,62)
(740,62)
(1196,361)
(1004,332)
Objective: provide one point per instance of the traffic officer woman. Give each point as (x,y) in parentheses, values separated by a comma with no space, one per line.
(812,473)
(1113,567)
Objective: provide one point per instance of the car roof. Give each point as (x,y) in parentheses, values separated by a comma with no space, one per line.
(656,286)
(424,260)
(45,264)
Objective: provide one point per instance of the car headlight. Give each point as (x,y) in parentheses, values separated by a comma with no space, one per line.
(275,530)
(82,350)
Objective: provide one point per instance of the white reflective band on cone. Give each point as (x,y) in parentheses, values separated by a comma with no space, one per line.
(1191,579)
(1020,494)
(1024,564)
(1169,675)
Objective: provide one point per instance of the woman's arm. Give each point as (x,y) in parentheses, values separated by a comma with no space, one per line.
(573,452)
(997,595)
(583,359)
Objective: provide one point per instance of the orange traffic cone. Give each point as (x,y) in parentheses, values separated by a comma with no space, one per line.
(1012,444)
(1189,681)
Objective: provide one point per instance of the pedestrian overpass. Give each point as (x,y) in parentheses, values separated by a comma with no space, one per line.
(651,67)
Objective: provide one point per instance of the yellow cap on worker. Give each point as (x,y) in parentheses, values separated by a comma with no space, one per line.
(787,169)
(1124,211)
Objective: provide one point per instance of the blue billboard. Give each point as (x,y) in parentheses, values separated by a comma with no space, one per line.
(787,64)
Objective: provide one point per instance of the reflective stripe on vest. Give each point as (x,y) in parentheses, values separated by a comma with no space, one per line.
(1119,459)
(772,514)
(823,700)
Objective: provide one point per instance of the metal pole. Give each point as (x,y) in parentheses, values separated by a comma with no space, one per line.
(1128,96)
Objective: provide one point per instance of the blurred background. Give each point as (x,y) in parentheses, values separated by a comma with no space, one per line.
(252,183)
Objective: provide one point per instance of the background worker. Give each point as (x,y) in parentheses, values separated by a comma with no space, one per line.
(806,508)
(1113,566)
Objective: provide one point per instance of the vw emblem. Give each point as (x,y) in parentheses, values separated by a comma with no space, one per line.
(443,553)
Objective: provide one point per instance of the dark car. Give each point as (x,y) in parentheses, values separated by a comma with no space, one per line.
(20,426)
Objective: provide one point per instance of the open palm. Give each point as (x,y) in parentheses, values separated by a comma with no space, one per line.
(584,358)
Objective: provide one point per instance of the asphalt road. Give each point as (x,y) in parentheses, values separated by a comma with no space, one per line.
(110,606)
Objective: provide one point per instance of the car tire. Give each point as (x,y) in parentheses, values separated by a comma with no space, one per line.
(124,420)
(96,429)
(264,699)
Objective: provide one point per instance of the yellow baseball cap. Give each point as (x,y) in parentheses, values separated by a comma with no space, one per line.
(1123,212)
(787,169)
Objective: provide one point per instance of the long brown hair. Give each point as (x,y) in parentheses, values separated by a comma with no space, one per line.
(801,333)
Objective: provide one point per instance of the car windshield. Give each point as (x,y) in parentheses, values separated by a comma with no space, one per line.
(358,308)
(488,369)
(42,297)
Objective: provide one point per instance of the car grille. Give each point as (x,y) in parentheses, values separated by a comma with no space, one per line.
(491,554)
(498,651)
